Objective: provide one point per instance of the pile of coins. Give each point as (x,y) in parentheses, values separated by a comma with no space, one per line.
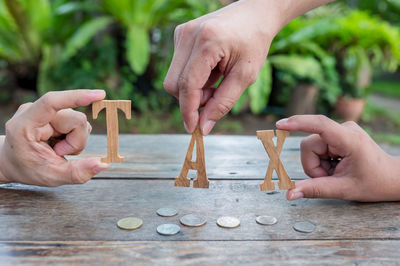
(195,220)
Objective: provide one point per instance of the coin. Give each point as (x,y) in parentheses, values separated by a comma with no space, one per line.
(130,223)
(228,222)
(168,229)
(266,220)
(167,212)
(193,220)
(304,227)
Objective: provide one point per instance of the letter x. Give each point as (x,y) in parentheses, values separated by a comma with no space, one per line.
(275,163)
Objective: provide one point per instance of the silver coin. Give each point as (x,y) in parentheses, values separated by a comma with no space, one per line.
(168,229)
(228,222)
(193,220)
(304,227)
(266,220)
(167,212)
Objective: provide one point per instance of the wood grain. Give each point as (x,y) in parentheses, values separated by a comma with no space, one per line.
(275,163)
(313,252)
(227,157)
(90,212)
(112,125)
(199,164)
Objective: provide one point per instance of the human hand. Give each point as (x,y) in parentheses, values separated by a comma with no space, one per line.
(26,155)
(232,43)
(343,162)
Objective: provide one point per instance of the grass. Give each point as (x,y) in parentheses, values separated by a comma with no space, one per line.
(390,88)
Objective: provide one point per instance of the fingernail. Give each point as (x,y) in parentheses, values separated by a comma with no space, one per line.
(186,127)
(100,167)
(97,92)
(295,195)
(207,127)
(281,122)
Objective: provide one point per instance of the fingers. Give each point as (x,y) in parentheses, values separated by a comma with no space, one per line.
(222,101)
(74,124)
(43,110)
(323,187)
(183,43)
(79,172)
(331,132)
(313,150)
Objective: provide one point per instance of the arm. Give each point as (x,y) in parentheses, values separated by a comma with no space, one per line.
(232,43)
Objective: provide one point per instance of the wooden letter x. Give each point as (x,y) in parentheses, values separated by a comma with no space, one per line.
(112,125)
(275,163)
(199,164)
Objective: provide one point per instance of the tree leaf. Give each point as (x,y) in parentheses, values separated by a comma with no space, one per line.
(83,35)
(137,49)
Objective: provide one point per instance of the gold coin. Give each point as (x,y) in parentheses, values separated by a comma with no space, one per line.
(228,222)
(130,223)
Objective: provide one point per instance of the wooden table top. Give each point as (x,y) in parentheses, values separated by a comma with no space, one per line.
(77,224)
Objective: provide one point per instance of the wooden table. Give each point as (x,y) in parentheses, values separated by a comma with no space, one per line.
(77,224)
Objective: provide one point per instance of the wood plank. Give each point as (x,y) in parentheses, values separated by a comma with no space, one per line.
(227,157)
(90,212)
(162,156)
(203,253)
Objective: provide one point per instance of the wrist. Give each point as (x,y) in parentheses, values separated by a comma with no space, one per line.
(3,179)
(276,14)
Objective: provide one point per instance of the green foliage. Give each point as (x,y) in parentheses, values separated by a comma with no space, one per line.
(83,35)
(387,88)
(356,40)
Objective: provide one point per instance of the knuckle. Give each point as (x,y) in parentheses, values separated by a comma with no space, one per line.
(24,106)
(252,77)
(209,31)
(46,98)
(349,124)
(168,86)
(315,192)
(224,106)
(82,119)
(322,118)
(77,177)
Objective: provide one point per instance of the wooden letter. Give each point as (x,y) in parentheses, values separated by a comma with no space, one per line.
(201,182)
(275,163)
(112,125)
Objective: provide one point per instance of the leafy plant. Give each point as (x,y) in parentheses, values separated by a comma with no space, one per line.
(44,33)
(358,42)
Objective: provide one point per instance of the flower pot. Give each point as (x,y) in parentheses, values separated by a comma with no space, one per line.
(349,109)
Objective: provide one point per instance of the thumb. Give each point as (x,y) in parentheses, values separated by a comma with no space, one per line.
(321,187)
(83,170)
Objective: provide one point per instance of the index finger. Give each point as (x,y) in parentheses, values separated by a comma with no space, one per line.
(43,110)
(331,132)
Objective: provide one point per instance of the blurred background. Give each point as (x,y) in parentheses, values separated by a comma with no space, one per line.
(341,60)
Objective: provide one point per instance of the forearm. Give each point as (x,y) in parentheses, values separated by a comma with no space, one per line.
(3,179)
(283,11)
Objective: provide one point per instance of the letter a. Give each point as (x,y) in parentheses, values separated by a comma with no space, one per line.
(112,125)
(199,164)
(275,163)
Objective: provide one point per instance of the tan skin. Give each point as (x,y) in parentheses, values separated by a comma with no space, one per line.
(364,173)
(233,43)
(25,154)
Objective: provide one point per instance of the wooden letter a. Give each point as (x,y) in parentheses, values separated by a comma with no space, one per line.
(275,163)
(199,165)
(112,125)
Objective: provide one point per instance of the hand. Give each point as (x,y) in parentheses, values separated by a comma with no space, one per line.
(28,157)
(343,162)
(232,43)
